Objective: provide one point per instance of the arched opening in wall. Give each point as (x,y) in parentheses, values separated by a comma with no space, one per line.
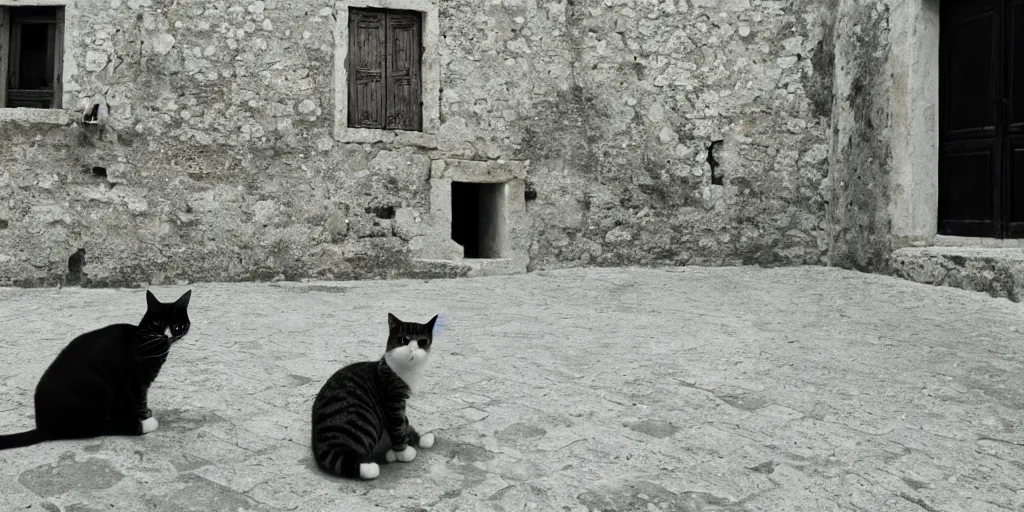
(478,218)
(981,119)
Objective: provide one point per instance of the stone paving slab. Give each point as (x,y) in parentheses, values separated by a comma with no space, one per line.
(692,389)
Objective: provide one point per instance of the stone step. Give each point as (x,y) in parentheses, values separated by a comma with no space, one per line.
(997,271)
(472,267)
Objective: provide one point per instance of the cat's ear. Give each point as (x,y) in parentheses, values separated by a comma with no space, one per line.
(430,325)
(151,301)
(182,301)
(393,322)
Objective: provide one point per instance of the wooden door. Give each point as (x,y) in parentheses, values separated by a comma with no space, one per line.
(981,121)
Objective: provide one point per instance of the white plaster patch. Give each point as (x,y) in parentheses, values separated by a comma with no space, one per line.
(324,143)
(667,136)
(162,43)
(95,61)
(656,113)
(307,106)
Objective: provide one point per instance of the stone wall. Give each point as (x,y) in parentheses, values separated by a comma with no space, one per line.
(219,160)
(884,157)
(861,155)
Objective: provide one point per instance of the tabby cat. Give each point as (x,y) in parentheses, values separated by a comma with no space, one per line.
(363,402)
(98,385)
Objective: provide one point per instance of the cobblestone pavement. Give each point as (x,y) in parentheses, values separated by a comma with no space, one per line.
(693,389)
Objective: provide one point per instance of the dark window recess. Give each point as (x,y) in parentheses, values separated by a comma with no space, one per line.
(529,192)
(384,69)
(981,119)
(478,218)
(76,265)
(716,175)
(31,56)
(381,212)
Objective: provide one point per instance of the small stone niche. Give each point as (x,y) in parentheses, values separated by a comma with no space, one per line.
(478,219)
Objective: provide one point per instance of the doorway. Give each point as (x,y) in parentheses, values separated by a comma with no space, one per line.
(981,119)
(478,218)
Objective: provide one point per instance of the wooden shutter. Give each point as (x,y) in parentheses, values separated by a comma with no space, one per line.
(32,61)
(57,48)
(366,64)
(404,49)
(5,53)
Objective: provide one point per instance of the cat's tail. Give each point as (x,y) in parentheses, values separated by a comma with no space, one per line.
(342,462)
(21,439)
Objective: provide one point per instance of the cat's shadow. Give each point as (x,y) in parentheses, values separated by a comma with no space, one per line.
(185,420)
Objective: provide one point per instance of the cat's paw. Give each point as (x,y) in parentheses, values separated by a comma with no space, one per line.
(406,455)
(369,471)
(426,440)
(149,424)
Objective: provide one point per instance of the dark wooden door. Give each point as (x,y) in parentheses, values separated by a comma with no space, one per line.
(981,120)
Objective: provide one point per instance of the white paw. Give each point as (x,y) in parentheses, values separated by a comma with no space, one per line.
(390,456)
(149,424)
(406,455)
(369,471)
(426,440)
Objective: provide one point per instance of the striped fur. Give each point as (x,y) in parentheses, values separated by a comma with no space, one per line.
(363,402)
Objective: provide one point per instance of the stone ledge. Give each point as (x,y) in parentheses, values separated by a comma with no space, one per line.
(997,271)
(474,267)
(55,116)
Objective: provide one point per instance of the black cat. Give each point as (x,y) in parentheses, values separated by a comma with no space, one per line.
(363,402)
(98,384)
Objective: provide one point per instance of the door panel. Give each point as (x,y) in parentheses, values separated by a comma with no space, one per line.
(971,86)
(366,69)
(967,192)
(1015,62)
(1015,164)
(404,105)
(975,192)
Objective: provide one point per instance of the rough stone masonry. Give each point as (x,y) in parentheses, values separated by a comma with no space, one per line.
(638,132)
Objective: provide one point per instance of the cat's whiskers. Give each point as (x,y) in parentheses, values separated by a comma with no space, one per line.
(154,356)
(146,342)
